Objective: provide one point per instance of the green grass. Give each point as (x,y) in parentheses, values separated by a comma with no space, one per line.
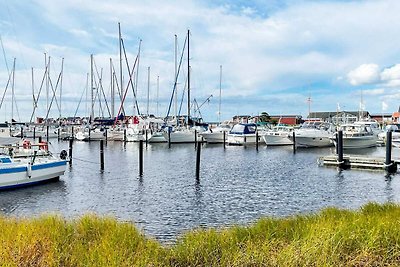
(332,237)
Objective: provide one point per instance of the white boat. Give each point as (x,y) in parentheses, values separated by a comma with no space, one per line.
(90,134)
(314,134)
(157,137)
(278,136)
(358,136)
(181,135)
(217,134)
(25,169)
(243,134)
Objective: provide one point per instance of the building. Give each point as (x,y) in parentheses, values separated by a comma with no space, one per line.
(286,119)
(338,117)
(382,117)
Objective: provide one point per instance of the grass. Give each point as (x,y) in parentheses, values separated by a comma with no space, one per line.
(332,237)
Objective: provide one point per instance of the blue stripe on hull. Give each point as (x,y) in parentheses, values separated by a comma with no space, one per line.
(49,165)
(11,187)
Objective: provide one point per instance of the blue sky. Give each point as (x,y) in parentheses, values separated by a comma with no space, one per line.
(274,53)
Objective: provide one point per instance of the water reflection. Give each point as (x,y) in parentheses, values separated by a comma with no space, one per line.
(236,185)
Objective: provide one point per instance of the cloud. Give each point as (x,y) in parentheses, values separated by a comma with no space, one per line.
(364,74)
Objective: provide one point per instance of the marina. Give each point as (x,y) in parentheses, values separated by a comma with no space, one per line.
(168,200)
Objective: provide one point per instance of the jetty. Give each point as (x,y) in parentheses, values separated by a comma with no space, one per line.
(359,162)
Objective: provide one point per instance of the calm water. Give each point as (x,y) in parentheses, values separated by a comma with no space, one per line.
(237,186)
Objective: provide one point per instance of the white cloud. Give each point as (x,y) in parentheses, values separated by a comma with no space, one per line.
(364,74)
(374,92)
(392,73)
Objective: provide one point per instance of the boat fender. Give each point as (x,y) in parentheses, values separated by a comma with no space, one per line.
(29,170)
(63,154)
(43,146)
(26,144)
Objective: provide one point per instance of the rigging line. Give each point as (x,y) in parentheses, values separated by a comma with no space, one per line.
(183,96)
(80,100)
(118,89)
(126,91)
(97,97)
(100,77)
(38,96)
(4,55)
(5,90)
(54,94)
(176,78)
(130,77)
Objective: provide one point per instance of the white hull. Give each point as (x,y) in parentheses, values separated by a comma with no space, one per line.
(19,175)
(242,139)
(94,136)
(359,142)
(277,140)
(215,137)
(310,141)
(181,137)
(157,137)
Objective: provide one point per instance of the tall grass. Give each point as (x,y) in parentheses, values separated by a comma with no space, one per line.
(332,237)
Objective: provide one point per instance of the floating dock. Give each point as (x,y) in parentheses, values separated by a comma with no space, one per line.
(358,162)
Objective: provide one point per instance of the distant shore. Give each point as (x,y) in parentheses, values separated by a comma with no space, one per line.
(369,236)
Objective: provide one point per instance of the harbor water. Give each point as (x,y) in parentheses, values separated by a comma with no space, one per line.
(237,185)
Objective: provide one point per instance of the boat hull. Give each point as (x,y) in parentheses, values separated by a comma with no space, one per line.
(277,140)
(359,142)
(242,139)
(306,141)
(214,138)
(16,176)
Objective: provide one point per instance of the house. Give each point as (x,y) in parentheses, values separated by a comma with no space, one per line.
(382,117)
(287,119)
(338,117)
(241,118)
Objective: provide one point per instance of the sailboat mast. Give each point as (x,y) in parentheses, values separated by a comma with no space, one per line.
(158,89)
(61,79)
(176,70)
(12,92)
(137,74)
(112,90)
(220,93)
(188,68)
(148,90)
(91,89)
(33,90)
(120,58)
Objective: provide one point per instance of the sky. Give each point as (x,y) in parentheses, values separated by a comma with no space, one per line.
(274,55)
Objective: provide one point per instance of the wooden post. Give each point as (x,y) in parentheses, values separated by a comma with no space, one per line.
(390,166)
(198,154)
(337,143)
(34,133)
(47,133)
(169,137)
(195,139)
(70,150)
(146,138)
(105,134)
(224,139)
(257,140)
(124,134)
(89,133)
(102,155)
(40,139)
(22,132)
(141,157)
(58,133)
(72,132)
(294,141)
(340,149)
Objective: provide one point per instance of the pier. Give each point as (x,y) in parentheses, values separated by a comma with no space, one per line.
(359,162)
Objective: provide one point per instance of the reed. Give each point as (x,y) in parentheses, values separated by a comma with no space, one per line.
(332,237)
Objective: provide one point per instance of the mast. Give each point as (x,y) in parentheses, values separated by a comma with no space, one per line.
(158,88)
(176,67)
(12,92)
(220,93)
(188,78)
(112,90)
(91,89)
(137,73)
(120,57)
(148,90)
(61,80)
(33,90)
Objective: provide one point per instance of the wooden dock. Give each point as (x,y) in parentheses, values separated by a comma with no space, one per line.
(359,162)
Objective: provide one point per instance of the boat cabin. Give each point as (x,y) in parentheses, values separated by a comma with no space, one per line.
(244,128)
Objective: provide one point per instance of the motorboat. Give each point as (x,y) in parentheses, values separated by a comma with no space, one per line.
(358,135)
(157,137)
(27,164)
(87,134)
(217,134)
(243,134)
(278,136)
(314,134)
(182,134)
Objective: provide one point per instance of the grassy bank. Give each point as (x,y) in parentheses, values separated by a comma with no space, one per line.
(368,237)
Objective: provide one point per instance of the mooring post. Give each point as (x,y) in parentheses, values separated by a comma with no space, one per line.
(195,139)
(58,133)
(102,154)
(257,140)
(198,154)
(22,132)
(141,157)
(147,140)
(72,132)
(340,149)
(337,143)
(89,133)
(224,139)
(105,134)
(169,137)
(389,165)
(40,139)
(47,133)
(70,150)
(124,134)
(294,141)
(34,133)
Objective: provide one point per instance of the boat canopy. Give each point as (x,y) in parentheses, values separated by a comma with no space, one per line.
(244,128)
